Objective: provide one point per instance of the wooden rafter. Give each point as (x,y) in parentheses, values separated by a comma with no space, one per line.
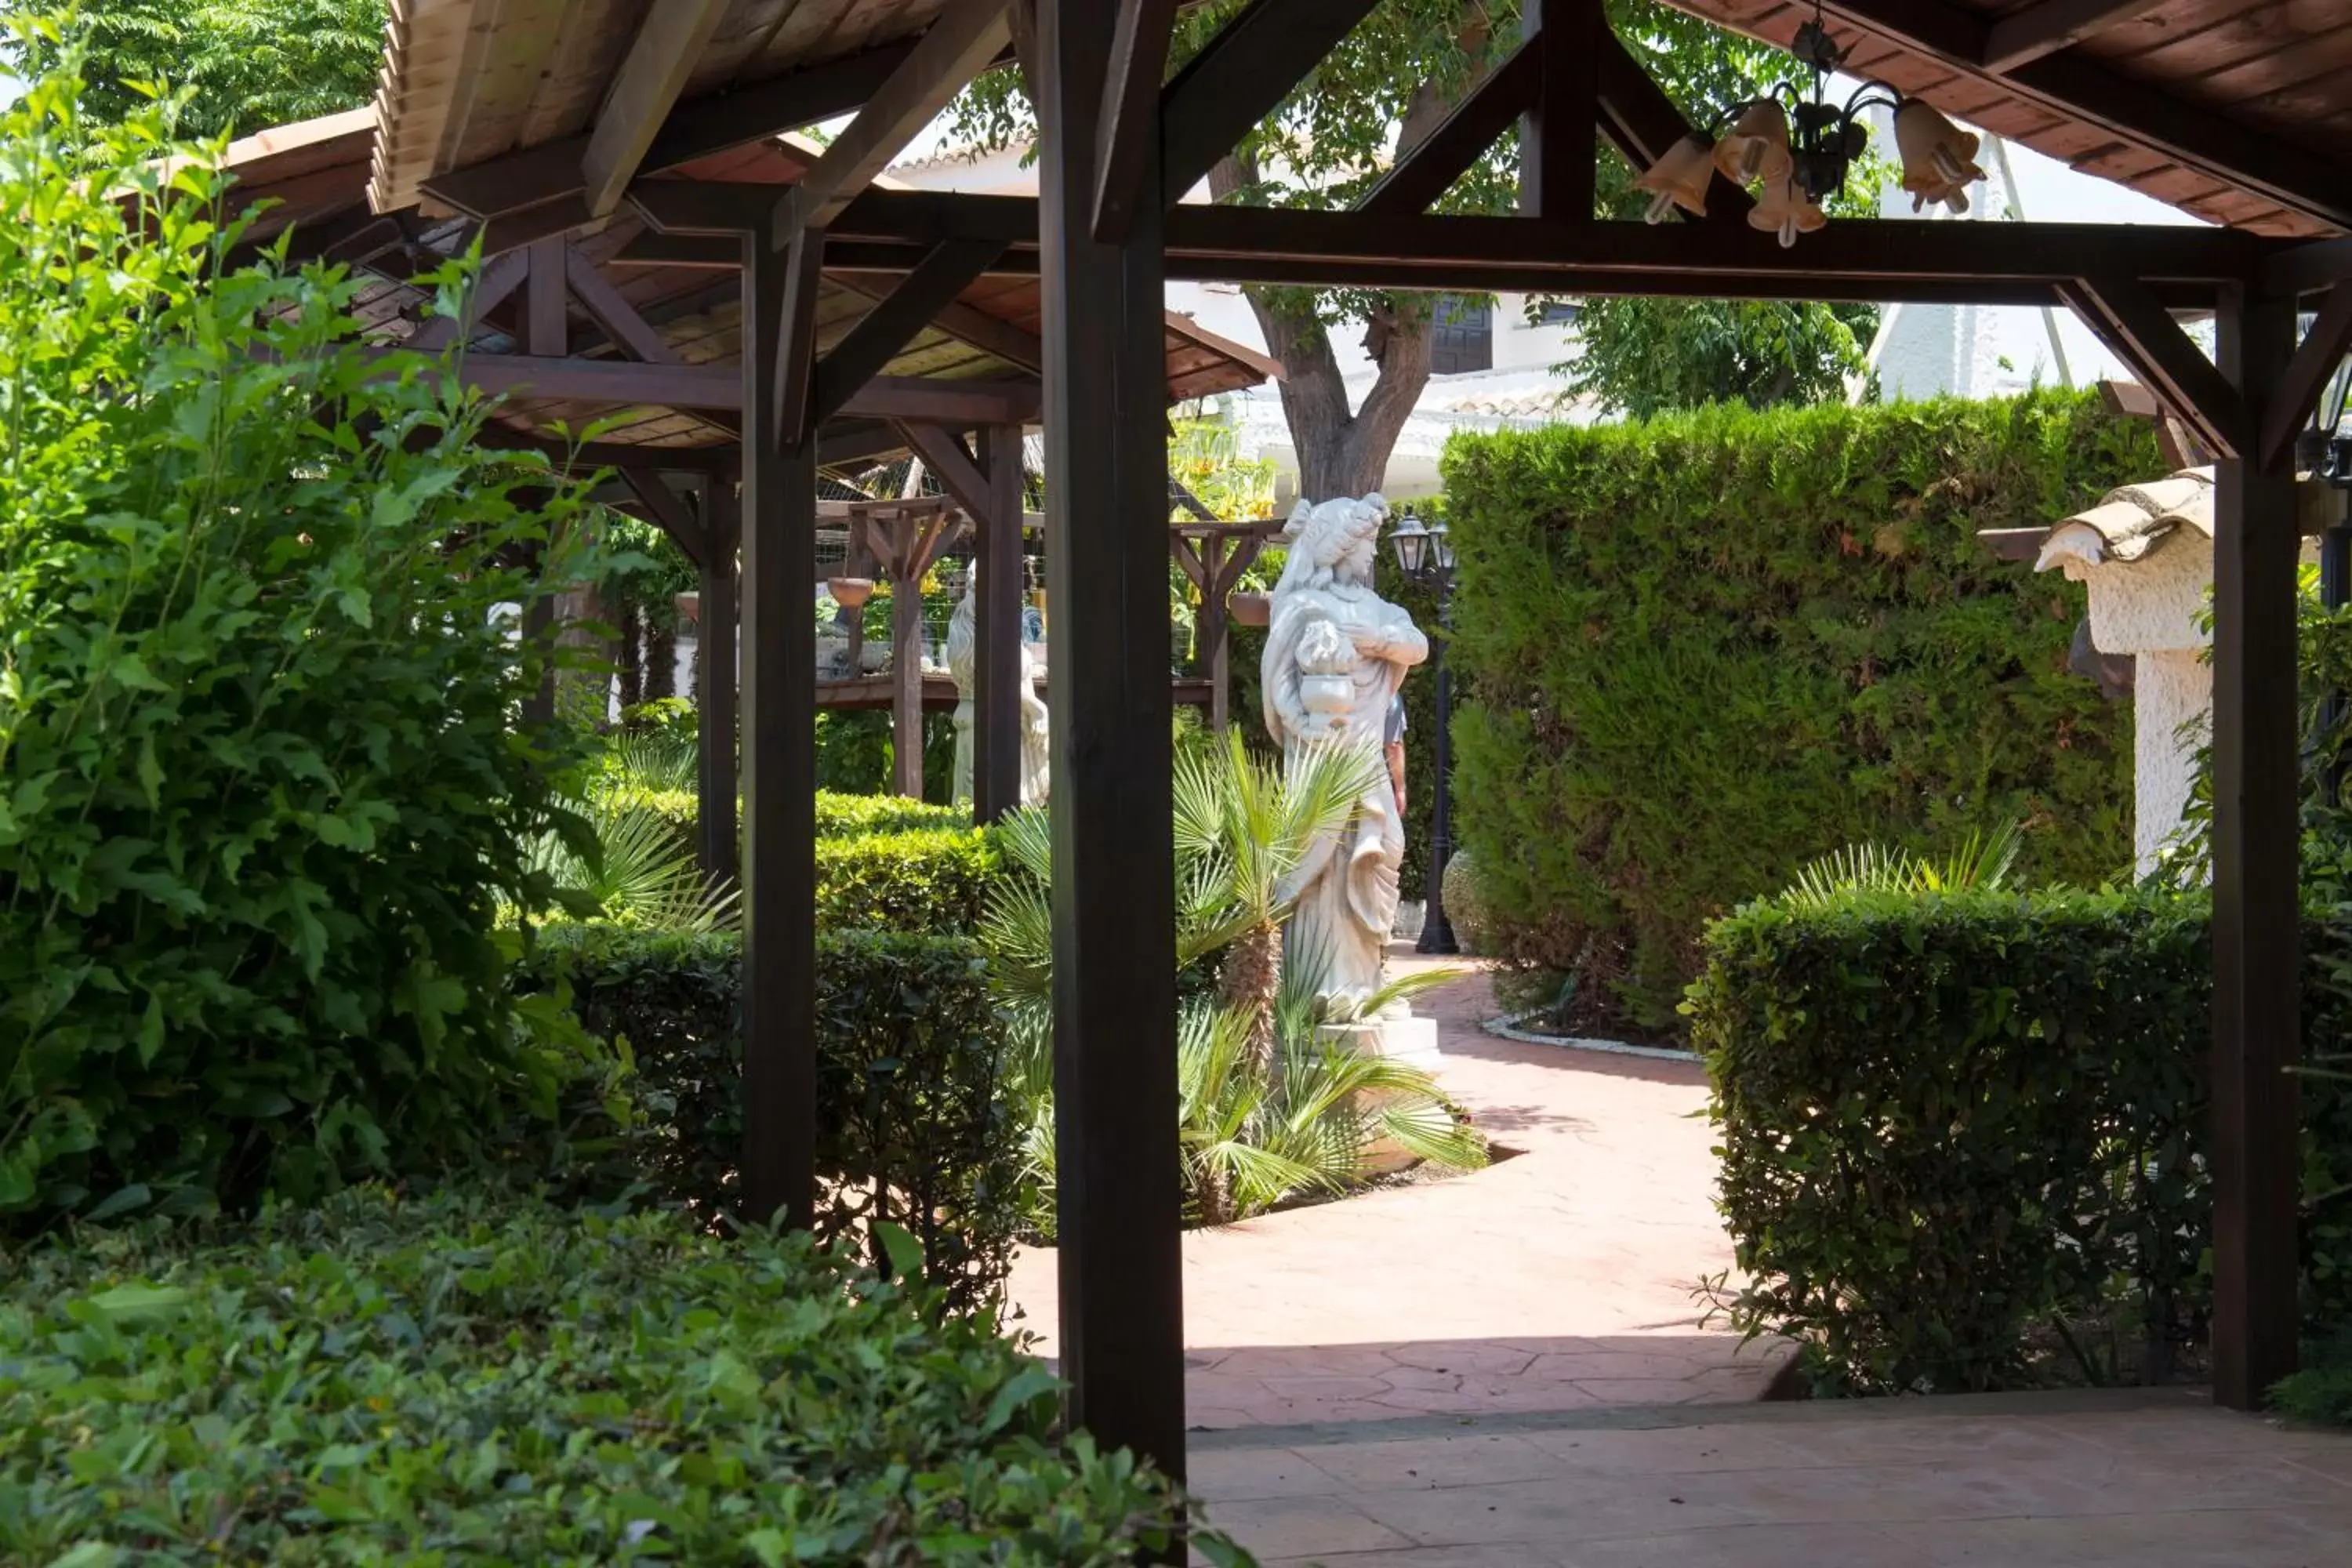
(967,324)
(2306,376)
(960,45)
(959,472)
(1243,74)
(613,313)
(492,287)
(2308,267)
(2070,84)
(551,172)
(669,41)
(1138,59)
(1461,139)
(884,332)
(2049,26)
(1642,122)
(2133,323)
(667,510)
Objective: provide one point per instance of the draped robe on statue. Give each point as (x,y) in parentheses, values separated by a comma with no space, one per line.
(1336,654)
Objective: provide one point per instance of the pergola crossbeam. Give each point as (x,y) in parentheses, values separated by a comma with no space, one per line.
(1138,59)
(1461,139)
(661,58)
(2133,323)
(1240,78)
(957,47)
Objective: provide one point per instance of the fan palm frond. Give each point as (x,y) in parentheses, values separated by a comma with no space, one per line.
(1982,863)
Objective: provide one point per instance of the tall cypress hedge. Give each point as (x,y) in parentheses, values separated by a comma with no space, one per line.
(1704,649)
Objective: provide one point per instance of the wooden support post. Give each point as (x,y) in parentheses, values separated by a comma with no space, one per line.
(722,525)
(1215,635)
(1122,1258)
(1557,136)
(996,684)
(905,670)
(538,624)
(778,766)
(2256,969)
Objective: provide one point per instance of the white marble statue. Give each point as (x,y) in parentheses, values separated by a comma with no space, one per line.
(964,652)
(1336,653)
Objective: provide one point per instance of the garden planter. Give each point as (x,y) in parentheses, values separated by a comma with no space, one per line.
(1410,1040)
(1249,609)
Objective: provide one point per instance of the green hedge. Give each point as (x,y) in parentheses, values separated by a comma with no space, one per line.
(504,1382)
(1962,1136)
(1704,650)
(882,861)
(913,1118)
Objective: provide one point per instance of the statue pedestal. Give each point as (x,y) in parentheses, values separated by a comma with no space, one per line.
(1410,1040)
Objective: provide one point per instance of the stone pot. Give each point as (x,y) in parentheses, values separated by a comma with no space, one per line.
(1249,609)
(850,592)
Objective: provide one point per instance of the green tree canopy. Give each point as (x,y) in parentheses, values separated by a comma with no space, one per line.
(245,64)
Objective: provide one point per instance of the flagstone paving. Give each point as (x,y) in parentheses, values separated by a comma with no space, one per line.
(1562,1278)
(2156,1478)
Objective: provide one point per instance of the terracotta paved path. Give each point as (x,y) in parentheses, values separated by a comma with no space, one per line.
(1559,1280)
(2152,1480)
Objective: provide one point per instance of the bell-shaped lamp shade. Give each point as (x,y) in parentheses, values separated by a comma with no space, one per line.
(1679,178)
(1441,546)
(1410,540)
(1938,157)
(1757,146)
(1783,209)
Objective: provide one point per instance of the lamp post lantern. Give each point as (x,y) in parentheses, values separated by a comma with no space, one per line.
(1424,552)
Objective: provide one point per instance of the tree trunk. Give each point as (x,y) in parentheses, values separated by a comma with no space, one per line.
(1344,452)
(631,660)
(661,660)
(1249,981)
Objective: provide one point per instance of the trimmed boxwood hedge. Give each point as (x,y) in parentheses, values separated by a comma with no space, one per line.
(1956,1131)
(913,1116)
(882,861)
(504,1382)
(1700,651)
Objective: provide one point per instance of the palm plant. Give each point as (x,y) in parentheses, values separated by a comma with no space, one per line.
(1252,1135)
(655,761)
(626,863)
(1244,826)
(1982,863)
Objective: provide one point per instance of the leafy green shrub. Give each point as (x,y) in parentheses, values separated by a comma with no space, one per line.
(933,880)
(1954,1126)
(2322,1391)
(842,815)
(505,1382)
(1701,651)
(261,793)
(913,1122)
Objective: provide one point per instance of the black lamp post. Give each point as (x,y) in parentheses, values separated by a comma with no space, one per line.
(1425,555)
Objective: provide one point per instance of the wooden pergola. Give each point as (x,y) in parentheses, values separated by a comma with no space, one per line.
(622,132)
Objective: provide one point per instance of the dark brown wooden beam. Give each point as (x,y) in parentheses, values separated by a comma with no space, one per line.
(2255,1136)
(546,301)
(1464,137)
(616,318)
(778,771)
(1642,122)
(957,471)
(1556,140)
(1121,1257)
(2023,36)
(1449,249)
(965,323)
(663,55)
(958,46)
(667,510)
(2309,266)
(491,286)
(2091,92)
(996,717)
(2133,323)
(2300,386)
(714,696)
(1139,62)
(551,172)
(803,263)
(884,331)
(846,441)
(1240,78)
(588,457)
(705,253)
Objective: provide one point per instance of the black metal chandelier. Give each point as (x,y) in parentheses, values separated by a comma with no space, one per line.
(1795,145)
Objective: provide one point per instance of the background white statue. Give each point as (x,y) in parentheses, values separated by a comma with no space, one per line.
(963,653)
(1336,653)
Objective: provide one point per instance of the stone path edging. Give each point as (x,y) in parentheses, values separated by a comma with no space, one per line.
(1506,1027)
